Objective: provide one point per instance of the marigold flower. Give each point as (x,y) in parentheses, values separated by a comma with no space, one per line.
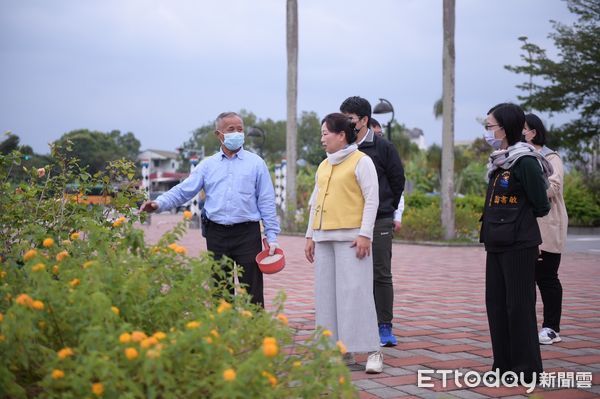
(61,256)
(74,283)
(192,324)
(138,336)
(181,250)
(115,310)
(282,318)
(38,267)
(159,335)
(208,340)
(98,389)
(214,333)
(32,253)
(55,269)
(131,353)
(246,313)
(342,380)
(125,338)
(48,242)
(341,347)
(327,333)
(148,342)
(297,363)
(229,375)
(272,379)
(153,354)
(57,374)
(24,300)
(224,306)
(74,236)
(270,347)
(88,264)
(38,305)
(119,221)
(65,352)
(187,215)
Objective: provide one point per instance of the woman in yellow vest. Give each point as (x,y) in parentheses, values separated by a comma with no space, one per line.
(343,207)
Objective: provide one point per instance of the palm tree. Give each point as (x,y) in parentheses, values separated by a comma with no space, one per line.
(292,107)
(448,60)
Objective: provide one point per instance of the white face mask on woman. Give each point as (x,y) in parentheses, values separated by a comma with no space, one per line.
(492,140)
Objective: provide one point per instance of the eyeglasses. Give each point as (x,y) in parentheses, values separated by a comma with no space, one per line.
(487,127)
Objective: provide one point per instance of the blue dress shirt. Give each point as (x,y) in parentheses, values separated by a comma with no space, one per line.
(238,189)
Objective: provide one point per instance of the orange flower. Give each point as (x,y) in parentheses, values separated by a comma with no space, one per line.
(24,300)
(74,283)
(115,310)
(57,374)
(74,236)
(38,267)
(125,338)
(282,318)
(65,352)
(48,242)
(159,335)
(246,313)
(187,215)
(272,379)
(32,253)
(192,324)
(341,347)
(55,269)
(61,256)
(214,333)
(342,380)
(131,353)
(38,305)
(229,375)
(138,336)
(223,306)
(119,221)
(98,389)
(270,347)
(327,333)
(148,342)
(153,354)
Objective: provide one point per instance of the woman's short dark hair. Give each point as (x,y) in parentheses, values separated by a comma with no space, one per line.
(510,117)
(340,123)
(534,122)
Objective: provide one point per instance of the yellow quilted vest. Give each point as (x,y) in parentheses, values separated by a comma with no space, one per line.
(340,201)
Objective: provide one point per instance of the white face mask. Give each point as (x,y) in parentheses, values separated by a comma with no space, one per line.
(491,140)
(233,141)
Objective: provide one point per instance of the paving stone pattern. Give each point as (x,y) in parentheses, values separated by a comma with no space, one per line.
(439,317)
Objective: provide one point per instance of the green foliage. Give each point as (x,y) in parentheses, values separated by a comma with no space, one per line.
(421,219)
(88,310)
(95,149)
(583,204)
(571,81)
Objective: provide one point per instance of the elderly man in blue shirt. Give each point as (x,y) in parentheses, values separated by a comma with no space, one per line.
(239,193)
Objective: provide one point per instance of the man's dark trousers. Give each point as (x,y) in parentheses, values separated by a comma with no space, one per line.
(240,242)
(383,287)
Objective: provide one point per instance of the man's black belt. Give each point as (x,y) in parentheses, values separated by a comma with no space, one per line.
(227,226)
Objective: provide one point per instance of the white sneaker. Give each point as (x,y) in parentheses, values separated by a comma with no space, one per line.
(374,363)
(548,336)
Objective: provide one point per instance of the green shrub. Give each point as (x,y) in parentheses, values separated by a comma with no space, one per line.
(583,204)
(88,310)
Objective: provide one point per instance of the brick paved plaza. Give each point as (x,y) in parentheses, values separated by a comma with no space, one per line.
(439,317)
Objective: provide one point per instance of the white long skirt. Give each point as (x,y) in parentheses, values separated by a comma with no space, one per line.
(344,300)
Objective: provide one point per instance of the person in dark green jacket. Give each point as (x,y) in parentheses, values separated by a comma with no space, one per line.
(516,196)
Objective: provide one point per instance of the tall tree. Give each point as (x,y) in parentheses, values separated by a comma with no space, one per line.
(571,83)
(292,111)
(448,60)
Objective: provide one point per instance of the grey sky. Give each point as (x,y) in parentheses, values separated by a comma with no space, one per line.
(162,68)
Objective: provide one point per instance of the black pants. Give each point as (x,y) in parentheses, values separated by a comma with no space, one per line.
(240,242)
(510,303)
(383,288)
(546,277)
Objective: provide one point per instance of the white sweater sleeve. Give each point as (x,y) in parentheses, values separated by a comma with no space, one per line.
(311,214)
(366,175)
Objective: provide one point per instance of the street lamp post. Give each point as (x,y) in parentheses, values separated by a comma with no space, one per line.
(255,131)
(385,107)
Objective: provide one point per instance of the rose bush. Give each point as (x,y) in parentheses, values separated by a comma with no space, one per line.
(88,310)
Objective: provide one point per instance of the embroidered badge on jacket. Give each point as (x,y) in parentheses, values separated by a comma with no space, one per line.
(504,179)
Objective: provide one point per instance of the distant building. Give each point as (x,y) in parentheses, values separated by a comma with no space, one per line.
(163,167)
(417,137)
